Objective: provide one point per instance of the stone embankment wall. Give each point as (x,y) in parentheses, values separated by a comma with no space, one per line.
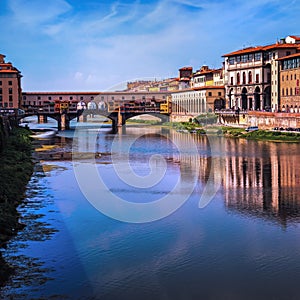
(269,120)
(264,120)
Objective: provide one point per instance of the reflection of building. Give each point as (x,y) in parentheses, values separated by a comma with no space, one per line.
(289,78)
(262,179)
(10,85)
(252,76)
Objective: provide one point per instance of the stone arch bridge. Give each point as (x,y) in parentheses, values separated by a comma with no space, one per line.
(117,110)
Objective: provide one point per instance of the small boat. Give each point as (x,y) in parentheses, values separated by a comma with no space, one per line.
(44,135)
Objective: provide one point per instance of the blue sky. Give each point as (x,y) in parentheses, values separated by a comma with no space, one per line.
(92,45)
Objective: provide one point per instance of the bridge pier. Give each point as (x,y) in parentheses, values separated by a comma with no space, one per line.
(82,118)
(42,119)
(121,119)
(63,122)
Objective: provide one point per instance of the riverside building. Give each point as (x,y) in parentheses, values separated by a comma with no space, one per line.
(10,85)
(252,76)
(289,77)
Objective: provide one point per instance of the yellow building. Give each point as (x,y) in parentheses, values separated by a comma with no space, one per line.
(289,79)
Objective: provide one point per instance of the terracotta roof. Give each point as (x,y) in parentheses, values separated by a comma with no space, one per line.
(204,72)
(103,93)
(289,56)
(9,71)
(200,88)
(244,51)
(297,38)
(262,48)
(281,46)
(186,68)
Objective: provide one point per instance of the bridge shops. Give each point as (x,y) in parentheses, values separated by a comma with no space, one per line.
(117,106)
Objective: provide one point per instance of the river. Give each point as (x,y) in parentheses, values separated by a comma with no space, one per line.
(229,230)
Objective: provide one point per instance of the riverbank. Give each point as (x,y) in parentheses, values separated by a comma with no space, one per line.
(16,169)
(238,132)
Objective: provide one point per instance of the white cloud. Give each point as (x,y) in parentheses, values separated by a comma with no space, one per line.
(118,42)
(34,12)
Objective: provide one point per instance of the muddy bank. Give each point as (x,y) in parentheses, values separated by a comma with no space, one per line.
(16,167)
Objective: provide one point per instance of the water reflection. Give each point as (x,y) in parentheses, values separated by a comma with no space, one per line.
(262,179)
(258,178)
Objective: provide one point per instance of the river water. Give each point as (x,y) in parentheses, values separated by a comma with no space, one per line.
(241,240)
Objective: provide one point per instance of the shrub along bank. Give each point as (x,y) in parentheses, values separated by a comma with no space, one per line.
(16,168)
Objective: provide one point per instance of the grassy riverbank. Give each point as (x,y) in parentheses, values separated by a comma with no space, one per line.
(234,132)
(16,169)
(263,135)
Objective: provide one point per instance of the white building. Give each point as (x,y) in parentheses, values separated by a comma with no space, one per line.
(252,76)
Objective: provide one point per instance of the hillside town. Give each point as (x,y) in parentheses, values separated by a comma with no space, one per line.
(261,81)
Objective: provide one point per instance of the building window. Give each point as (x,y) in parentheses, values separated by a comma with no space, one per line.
(0,90)
(238,59)
(10,91)
(123,98)
(231,80)
(291,76)
(49,98)
(0,82)
(295,76)
(209,94)
(24,97)
(288,53)
(133,97)
(282,78)
(231,60)
(81,98)
(287,92)
(257,56)
(287,77)
(60,98)
(10,98)
(5,104)
(238,79)
(39,98)
(11,104)
(219,93)
(250,57)
(250,77)
(71,98)
(9,82)
(112,98)
(244,78)
(291,91)
(282,93)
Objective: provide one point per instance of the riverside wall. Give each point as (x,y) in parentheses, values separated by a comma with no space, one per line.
(264,120)
(269,120)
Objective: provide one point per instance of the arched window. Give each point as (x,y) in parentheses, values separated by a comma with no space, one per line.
(257,78)
(282,93)
(244,78)
(238,79)
(291,91)
(287,92)
(250,77)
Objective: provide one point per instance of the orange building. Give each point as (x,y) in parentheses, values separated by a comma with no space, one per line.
(10,85)
(290,83)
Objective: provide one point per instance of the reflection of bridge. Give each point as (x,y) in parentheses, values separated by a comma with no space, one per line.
(117,106)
